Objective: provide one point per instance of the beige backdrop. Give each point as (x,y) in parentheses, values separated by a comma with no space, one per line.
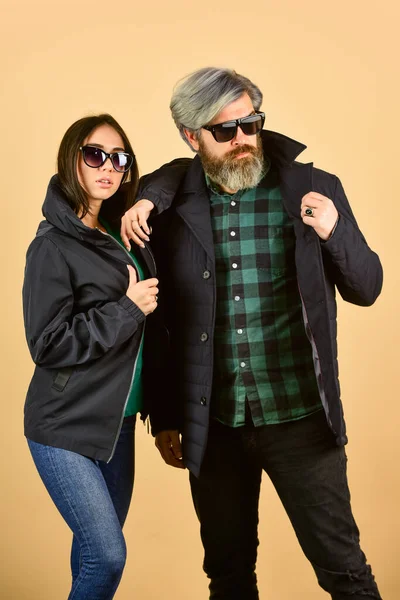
(330,79)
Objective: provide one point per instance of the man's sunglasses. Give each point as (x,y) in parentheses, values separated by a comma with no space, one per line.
(225,132)
(96,157)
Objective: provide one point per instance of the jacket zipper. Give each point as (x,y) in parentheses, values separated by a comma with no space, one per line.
(137,355)
(146,421)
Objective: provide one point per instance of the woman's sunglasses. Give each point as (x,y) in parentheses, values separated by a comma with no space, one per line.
(96,157)
(225,132)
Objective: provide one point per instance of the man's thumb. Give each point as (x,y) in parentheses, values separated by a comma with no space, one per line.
(132,275)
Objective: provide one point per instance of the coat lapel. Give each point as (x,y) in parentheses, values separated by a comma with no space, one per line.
(296,182)
(194,207)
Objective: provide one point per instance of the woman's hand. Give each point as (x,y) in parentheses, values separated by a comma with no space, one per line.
(142,293)
(134,224)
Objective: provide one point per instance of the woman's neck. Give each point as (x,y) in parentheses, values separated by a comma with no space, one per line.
(91,219)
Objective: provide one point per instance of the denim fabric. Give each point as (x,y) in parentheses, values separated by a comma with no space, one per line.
(93,497)
(309,473)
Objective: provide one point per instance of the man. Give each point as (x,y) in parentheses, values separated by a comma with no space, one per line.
(250,252)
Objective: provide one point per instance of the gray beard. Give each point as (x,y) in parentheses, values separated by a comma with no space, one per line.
(235,174)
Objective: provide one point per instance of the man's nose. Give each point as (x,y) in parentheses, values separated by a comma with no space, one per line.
(240,137)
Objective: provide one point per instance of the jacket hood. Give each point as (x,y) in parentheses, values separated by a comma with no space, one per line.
(59,213)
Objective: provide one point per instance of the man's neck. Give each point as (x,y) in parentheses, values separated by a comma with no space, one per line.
(227,190)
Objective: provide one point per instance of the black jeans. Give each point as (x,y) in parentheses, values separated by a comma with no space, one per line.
(309,473)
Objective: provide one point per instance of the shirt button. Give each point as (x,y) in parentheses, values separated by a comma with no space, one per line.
(234,265)
(240,331)
(233,233)
(242,364)
(204,337)
(206,275)
(203,401)
(233,203)
(237,298)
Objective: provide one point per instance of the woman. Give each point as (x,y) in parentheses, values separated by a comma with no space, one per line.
(85,302)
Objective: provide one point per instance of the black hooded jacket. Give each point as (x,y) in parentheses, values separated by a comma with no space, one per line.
(83,332)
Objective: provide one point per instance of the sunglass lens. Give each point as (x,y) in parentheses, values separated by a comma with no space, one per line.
(93,157)
(225,132)
(252,125)
(121,162)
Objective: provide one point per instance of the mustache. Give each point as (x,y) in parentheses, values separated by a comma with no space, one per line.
(240,149)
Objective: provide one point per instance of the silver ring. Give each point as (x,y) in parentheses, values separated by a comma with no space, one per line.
(309,212)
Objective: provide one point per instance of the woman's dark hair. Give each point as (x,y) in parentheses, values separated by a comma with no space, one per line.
(67,161)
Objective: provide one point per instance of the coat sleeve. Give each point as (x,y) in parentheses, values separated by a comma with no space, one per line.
(161,186)
(57,336)
(355,268)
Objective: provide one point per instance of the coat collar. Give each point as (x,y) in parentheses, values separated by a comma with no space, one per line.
(281,149)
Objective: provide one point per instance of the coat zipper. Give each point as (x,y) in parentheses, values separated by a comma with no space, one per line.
(146,421)
(137,355)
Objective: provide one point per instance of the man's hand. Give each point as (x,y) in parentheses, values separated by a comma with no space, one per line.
(320,213)
(134,223)
(170,447)
(144,293)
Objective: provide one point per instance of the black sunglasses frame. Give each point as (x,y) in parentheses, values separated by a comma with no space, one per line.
(234,124)
(107,155)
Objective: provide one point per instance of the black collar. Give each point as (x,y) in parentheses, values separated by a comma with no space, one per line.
(281,149)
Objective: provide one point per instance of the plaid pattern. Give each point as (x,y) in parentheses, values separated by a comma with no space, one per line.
(261,349)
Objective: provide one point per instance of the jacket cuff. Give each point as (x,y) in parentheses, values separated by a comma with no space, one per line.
(155,429)
(155,198)
(132,309)
(332,233)
(337,232)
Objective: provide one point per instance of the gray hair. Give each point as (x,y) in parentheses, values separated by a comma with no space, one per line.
(200,96)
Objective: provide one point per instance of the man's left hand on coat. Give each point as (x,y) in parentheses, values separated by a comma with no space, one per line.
(319,212)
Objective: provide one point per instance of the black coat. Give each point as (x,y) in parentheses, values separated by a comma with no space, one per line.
(83,332)
(182,241)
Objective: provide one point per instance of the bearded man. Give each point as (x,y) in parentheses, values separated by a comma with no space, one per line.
(250,249)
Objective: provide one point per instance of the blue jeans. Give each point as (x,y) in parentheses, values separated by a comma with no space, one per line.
(93,497)
(309,473)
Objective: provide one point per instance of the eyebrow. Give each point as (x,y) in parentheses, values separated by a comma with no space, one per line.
(102,147)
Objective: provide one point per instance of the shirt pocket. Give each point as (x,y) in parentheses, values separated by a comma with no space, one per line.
(275,249)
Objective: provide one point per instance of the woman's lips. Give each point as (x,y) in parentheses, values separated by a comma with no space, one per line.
(104,183)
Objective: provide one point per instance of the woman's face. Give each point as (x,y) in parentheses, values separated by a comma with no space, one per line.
(101,183)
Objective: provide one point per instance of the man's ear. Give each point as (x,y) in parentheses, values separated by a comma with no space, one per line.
(192,139)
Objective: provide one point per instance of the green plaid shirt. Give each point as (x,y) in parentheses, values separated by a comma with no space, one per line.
(261,349)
